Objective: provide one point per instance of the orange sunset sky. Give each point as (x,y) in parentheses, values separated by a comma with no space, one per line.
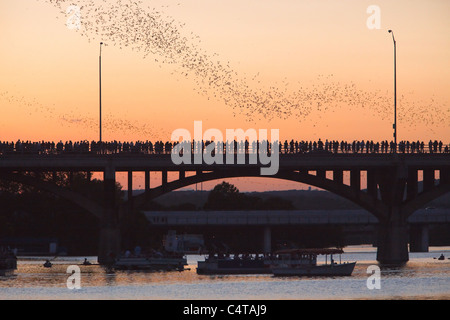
(312,69)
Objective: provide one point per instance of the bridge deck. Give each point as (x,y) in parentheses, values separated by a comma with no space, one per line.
(158,162)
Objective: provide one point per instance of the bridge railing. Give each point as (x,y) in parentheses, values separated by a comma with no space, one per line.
(242,147)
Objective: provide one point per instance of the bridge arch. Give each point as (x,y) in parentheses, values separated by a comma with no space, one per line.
(359,197)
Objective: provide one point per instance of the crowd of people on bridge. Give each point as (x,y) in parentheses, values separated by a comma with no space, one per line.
(243,146)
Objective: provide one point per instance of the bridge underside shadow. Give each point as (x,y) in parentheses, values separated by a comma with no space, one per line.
(106,214)
(391,192)
(391,196)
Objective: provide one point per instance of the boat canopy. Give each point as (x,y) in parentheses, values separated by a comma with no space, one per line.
(311,251)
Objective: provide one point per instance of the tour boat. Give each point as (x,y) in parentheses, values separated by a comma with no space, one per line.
(8,262)
(244,264)
(303,262)
(154,262)
(183,243)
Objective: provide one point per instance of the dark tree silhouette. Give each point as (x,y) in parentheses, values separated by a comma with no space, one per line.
(224,196)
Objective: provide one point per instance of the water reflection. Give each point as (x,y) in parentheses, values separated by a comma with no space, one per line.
(422,277)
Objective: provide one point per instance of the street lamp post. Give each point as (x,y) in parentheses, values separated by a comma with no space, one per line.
(100,88)
(395,90)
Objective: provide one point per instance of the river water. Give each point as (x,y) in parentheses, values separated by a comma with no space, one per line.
(423,277)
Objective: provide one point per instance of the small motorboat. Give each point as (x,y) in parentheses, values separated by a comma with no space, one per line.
(48,264)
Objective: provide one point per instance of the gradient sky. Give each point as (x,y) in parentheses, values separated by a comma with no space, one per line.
(320,56)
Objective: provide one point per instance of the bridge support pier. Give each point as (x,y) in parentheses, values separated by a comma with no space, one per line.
(109,242)
(267,240)
(393,225)
(393,241)
(418,238)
